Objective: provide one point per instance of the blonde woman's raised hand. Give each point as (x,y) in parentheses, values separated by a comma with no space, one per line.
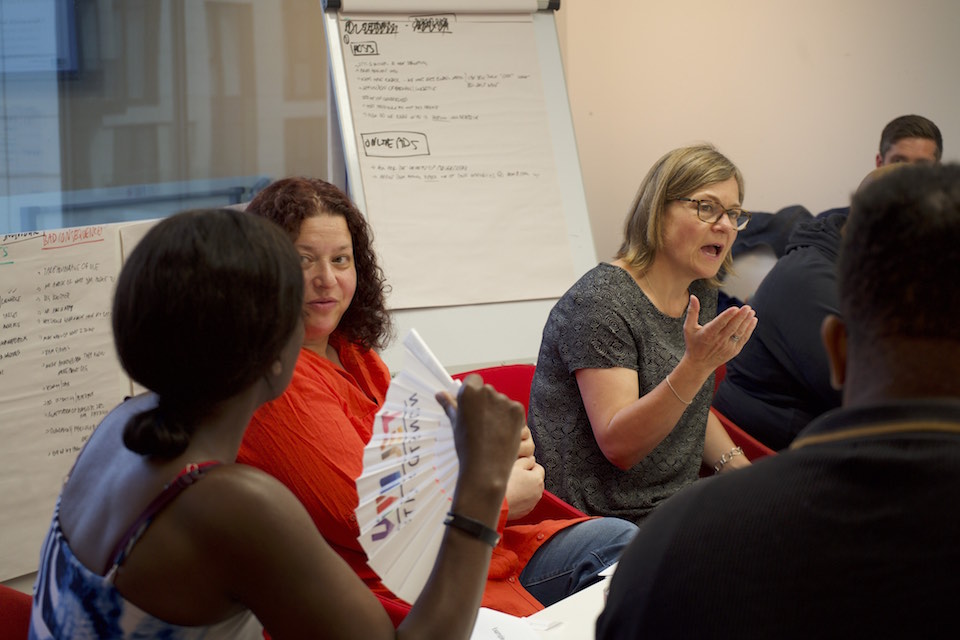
(719,340)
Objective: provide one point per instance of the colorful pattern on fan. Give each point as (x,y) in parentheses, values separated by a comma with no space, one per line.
(410,467)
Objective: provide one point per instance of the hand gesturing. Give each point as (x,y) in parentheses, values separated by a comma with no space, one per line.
(720,339)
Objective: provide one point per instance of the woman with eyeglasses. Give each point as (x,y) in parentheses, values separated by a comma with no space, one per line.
(620,401)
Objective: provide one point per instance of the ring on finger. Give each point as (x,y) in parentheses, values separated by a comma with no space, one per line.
(734,338)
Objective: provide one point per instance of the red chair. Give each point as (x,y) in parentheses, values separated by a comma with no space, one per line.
(14,614)
(752,447)
(514,380)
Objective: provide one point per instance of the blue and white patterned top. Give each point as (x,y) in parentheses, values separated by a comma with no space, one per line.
(70,601)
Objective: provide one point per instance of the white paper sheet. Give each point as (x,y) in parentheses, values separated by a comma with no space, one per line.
(59,374)
(456,158)
(495,625)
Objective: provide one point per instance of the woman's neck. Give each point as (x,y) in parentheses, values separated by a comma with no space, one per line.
(668,294)
(219,435)
(324,349)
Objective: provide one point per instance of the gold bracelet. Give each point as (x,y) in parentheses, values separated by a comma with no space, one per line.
(727,457)
(675,392)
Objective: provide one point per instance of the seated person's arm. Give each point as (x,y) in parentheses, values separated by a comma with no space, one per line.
(628,426)
(299,587)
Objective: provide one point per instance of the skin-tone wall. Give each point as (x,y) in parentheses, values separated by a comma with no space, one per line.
(795,93)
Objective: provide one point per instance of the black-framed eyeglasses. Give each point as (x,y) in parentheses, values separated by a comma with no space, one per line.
(710,212)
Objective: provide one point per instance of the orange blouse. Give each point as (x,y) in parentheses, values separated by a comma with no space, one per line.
(312,437)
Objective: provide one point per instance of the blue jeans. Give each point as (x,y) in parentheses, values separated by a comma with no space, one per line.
(571,559)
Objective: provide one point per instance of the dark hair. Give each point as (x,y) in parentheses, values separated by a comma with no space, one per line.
(902,234)
(290,201)
(204,305)
(911,126)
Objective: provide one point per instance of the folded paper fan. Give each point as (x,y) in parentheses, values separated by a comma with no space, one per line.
(410,468)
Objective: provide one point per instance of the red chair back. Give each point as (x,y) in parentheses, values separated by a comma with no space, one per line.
(752,447)
(14,614)
(512,380)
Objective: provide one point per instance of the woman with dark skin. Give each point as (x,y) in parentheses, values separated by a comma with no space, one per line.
(207,315)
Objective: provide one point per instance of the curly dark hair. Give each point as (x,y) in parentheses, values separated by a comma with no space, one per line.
(290,201)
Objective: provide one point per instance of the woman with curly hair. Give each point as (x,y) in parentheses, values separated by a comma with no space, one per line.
(310,210)
(312,437)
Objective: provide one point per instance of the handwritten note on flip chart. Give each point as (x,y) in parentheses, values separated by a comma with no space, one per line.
(456,158)
(59,374)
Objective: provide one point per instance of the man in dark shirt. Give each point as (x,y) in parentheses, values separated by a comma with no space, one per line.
(853,531)
(780,381)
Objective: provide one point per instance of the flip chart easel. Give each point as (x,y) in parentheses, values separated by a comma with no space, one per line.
(458,145)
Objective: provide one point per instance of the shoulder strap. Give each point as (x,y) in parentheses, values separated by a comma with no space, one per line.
(189,475)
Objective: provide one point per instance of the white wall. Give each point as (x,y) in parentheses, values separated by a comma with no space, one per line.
(794,92)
